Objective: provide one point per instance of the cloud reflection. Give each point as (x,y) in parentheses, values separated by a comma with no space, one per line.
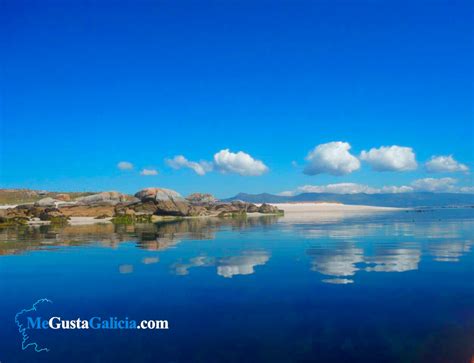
(243,264)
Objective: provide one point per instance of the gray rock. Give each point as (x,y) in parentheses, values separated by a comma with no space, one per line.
(159,194)
(201,199)
(104,198)
(267,208)
(47,202)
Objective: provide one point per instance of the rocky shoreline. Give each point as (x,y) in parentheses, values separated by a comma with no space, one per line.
(146,206)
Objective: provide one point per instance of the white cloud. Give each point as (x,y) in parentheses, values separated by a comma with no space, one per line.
(148,172)
(396,189)
(420,185)
(332,158)
(466,189)
(239,163)
(200,168)
(435,185)
(390,158)
(339,188)
(125,165)
(444,164)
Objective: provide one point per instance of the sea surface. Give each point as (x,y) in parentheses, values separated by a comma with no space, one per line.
(388,287)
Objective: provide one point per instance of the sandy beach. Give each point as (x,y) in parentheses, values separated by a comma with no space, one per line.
(328,212)
(329,207)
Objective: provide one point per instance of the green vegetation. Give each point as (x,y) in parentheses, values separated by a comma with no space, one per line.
(132,219)
(237,214)
(59,221)
(11,222)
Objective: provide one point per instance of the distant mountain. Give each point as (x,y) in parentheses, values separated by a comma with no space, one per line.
(402,200)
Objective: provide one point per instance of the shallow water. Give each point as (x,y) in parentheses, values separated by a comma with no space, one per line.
(389,287)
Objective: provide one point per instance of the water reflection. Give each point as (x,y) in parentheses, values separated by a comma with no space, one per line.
(126,269)
(337,260)
(394,260)
(339,252)
(450,251)
(241,265)
(342,251)
(228,266)
(152,237)
(150,260)
(182,269)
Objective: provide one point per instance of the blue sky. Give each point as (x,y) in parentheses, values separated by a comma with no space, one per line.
(86,86)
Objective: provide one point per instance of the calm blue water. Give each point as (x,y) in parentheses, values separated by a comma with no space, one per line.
(396,287)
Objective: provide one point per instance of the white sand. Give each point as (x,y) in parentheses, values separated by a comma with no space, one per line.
(329,207)
(77,221)
(327,212)
(6,206)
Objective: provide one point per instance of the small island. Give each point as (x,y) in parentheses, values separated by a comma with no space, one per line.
(146,206)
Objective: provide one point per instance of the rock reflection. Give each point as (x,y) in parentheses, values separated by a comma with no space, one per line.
(152,237)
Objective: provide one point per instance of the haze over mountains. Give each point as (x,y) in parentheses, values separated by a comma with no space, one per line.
(401,200)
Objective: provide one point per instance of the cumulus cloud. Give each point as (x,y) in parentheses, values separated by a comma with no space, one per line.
(338,188)
(239,163)
(148,172)
(125,165)
(390,158)
(396,189)
(332,158)
(435,185)
(419,185)
(444,164)
(200,168)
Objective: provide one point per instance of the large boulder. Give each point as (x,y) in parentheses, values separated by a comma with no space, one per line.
(88,210)
(198,211)
(172,208)
(54,216)
(63,197)
(27,210)
(269,209)
(166,202)
(47,202)
(201,199)
(158,194)
(104,198)
(14,216)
